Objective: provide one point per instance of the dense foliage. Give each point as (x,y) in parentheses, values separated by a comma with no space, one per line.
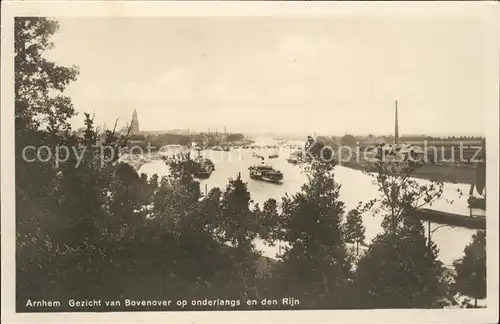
(92,227)
(471,268)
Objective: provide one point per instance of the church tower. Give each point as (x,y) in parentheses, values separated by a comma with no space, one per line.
(135,123)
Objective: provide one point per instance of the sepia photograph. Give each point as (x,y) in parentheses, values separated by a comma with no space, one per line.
(249,162)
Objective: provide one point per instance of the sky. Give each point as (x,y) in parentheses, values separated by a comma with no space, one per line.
(330,75)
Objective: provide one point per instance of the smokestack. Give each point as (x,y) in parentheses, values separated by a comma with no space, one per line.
(396,126)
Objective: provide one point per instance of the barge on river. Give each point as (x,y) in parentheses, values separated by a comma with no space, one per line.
(204,168)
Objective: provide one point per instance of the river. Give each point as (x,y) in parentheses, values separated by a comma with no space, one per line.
(355,186)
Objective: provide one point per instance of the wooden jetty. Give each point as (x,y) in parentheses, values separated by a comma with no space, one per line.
(439,217)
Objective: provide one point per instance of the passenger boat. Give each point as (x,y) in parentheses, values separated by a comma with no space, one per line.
(265,172)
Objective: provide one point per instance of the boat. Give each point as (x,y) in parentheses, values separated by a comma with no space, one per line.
(294,157)
(265,172)
(478,201)
(273,156)
(204,168)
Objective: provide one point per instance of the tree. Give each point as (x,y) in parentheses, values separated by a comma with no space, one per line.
(400,271)
(348,140)
(63,208)
(212,210)
(36,78)
(400,268)
(319,148)
(268,220)
(41,114)
(471,268)
(354,228)
(36,81)
(175,192)
(400,194)
(315,266)
(80,193)
(238,227)
(235,137)
(237,221)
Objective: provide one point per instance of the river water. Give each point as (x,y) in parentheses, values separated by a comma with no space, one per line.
(355,186)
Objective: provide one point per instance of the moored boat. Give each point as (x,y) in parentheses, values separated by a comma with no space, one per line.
(479,187)
(477,202)
(204,168)
(294,157)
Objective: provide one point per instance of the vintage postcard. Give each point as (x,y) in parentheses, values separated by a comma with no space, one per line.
(249,162)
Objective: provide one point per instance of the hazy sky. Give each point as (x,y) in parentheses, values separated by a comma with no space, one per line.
(329,75)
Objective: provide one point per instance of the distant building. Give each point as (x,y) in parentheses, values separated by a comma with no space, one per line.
(134,125)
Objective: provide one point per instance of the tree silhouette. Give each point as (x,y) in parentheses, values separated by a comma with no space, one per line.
(354,228)
(37,79)
(348,140)
(399,194)
(315,259)
(471,268)
(400,268)
(268,221)
(239,228)
(400,271)
(41,114)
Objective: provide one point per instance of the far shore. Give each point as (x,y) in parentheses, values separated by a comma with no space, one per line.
(460,174)
(444,173)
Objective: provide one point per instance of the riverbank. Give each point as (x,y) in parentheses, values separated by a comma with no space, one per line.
(444,173)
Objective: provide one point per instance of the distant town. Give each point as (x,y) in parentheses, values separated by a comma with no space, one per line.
(222,136)
(439,166)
